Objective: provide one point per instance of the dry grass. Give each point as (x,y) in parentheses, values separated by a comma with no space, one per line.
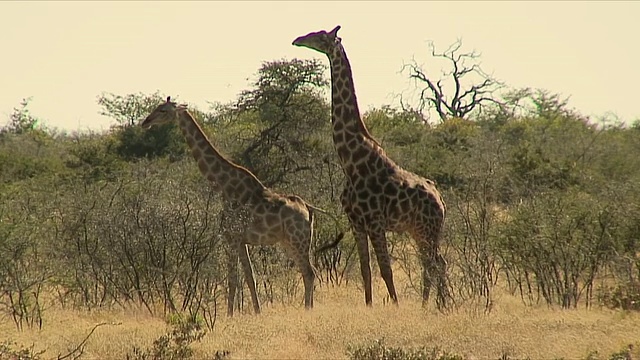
(340,319)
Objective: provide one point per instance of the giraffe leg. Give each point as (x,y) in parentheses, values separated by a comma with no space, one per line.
(379,242)
(433,269)
(232,279)
(443,288)
(427,262)
(249,277)
(362,241)
(230,236)
(347,198)
(308,274)
(298,247)
(308,278)
(436,271)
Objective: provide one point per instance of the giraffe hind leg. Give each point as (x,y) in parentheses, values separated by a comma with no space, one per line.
(433,268)
(308,278)
(426,262)
(298,247)
(444,296)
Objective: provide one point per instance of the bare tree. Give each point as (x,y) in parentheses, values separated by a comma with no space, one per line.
(464,97)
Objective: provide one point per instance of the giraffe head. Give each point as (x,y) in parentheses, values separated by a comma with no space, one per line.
(164,113)
(321,41)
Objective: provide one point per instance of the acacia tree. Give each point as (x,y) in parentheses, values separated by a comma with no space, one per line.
(21,121)
(461,89)
(281,120)
(129,109)
(132,141)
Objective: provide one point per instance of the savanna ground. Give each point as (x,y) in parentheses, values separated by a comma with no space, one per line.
(340,321)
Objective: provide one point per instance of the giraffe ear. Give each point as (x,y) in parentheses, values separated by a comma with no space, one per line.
(334,32)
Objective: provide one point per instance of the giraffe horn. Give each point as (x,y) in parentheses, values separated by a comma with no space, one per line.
(168,99)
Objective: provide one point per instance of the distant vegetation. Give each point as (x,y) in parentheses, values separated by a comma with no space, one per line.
(541,199)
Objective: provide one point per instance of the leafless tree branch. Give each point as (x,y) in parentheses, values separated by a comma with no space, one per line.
(464,99)
(79,349)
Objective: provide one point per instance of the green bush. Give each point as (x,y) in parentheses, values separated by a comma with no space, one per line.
(176,344)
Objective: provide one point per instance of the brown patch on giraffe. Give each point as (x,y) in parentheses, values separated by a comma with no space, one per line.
(343,152)
(345,95)
(234,184)
(202,165)
(363,204)
(361,168)
(359,153)
(272,219)
(215,166)
(374,186)
(338,127)
(390,190)
(246,182)
(344,73)
(191,143)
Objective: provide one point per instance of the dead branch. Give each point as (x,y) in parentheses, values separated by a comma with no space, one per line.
(449,96)
(79,349)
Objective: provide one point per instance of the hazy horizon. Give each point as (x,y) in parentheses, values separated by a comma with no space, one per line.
(65,54)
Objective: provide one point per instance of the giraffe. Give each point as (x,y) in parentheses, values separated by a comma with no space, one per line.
(267,217)
(378,194)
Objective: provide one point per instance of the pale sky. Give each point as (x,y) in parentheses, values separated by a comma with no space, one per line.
(64,54)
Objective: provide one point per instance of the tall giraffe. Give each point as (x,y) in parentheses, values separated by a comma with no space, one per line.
(270,217)
(379,195)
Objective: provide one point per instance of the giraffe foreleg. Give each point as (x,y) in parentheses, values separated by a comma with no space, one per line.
(249,276)
(379,242)
(347,198)
(362,242)
(232,279)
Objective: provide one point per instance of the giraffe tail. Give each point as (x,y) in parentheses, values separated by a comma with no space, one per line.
(339,234)
(332,244)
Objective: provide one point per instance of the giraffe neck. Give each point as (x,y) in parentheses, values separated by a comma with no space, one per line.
(235,182)
(351,137)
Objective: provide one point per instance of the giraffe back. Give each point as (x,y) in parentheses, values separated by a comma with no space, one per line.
(279,217)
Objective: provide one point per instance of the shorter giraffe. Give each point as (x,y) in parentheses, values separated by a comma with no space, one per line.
(268,217)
